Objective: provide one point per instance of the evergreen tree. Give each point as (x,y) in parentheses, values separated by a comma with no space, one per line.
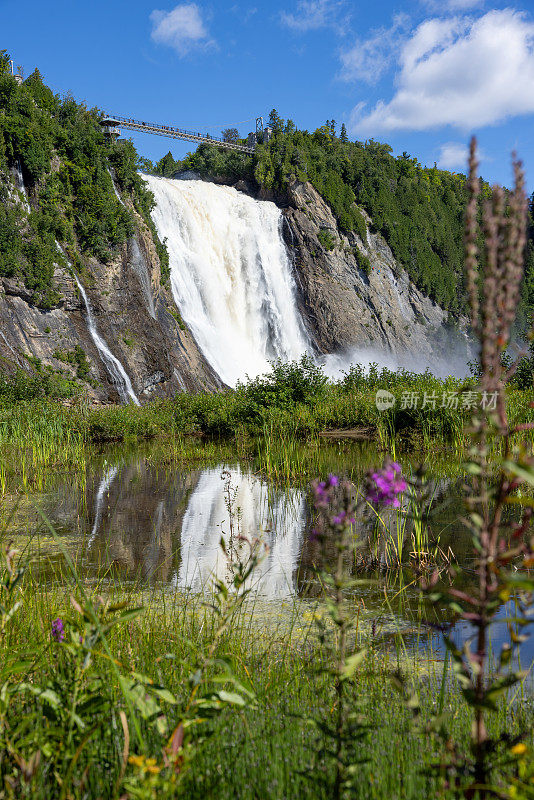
(5,63)
(276,122)
(343,135)
(230,135)
(167,166)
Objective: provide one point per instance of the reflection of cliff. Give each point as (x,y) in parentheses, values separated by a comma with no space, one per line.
(138,518)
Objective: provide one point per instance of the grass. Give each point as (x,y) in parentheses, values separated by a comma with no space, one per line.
(268,417)
(269,751)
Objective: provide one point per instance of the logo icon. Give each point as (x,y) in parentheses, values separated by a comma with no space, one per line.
(384,400)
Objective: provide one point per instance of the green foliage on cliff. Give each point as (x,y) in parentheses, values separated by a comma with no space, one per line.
(65,159)
(327,239)
(418,210)
(210,162)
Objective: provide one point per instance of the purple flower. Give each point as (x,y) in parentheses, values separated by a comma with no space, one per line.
(58,630)
(386,484)
(322,491)
(334,502)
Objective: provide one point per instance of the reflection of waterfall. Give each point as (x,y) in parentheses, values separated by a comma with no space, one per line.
(104,487)
(230,273)
(118,375)
(277,522)
(140,268)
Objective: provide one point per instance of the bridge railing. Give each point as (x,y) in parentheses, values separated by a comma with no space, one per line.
(172,132)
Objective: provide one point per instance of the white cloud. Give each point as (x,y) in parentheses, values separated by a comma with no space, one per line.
(462,5)
(310,15)
(368,59)
(459,72)
(454,155)
(183,29)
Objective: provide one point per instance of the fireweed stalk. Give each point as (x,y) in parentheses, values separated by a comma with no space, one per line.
(494,768)
(335,506)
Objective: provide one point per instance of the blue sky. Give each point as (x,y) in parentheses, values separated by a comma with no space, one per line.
(421,76)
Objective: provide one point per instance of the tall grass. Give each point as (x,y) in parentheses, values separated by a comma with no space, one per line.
(266,751)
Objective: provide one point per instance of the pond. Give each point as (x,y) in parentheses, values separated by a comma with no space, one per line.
(149,522)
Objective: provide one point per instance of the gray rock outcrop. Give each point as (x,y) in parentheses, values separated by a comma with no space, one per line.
(377,311)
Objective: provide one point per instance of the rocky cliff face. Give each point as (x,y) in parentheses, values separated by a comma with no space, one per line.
(351,294)
(134,313)
(375,309)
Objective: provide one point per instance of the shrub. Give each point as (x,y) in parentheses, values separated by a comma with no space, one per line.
(327,239)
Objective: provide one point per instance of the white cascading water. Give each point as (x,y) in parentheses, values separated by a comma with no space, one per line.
(117,373)
(117,195)
(105,485)
(231,276)
(277,522)
(19,182)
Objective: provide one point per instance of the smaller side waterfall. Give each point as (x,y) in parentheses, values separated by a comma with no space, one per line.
(16,355)
(19,183)
(117,195)
(118,375)
(140,268)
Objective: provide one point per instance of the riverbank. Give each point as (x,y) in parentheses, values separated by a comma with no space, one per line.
(270,416)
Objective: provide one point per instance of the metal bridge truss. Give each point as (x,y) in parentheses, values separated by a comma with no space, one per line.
(112,124)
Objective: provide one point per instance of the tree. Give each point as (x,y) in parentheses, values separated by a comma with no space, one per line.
(145,165)
(166,166)
(230,135)
(343,135)
(276,122)
(5,61)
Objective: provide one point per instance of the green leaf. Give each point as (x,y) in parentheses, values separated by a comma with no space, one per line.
(231,697)
(521,472)
(352,662)
(164,694)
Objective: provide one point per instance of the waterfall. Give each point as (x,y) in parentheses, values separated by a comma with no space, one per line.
(117,195)
(117,373)
(277,521)
(17,360)
(230,274)
(19,183)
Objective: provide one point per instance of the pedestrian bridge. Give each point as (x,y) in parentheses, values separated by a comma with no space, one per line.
(112,125)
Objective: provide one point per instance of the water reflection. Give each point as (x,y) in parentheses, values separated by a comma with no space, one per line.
(141,520)
(240,511)
(170,526)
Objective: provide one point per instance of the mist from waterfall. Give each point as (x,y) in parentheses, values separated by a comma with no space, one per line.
(230,274)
